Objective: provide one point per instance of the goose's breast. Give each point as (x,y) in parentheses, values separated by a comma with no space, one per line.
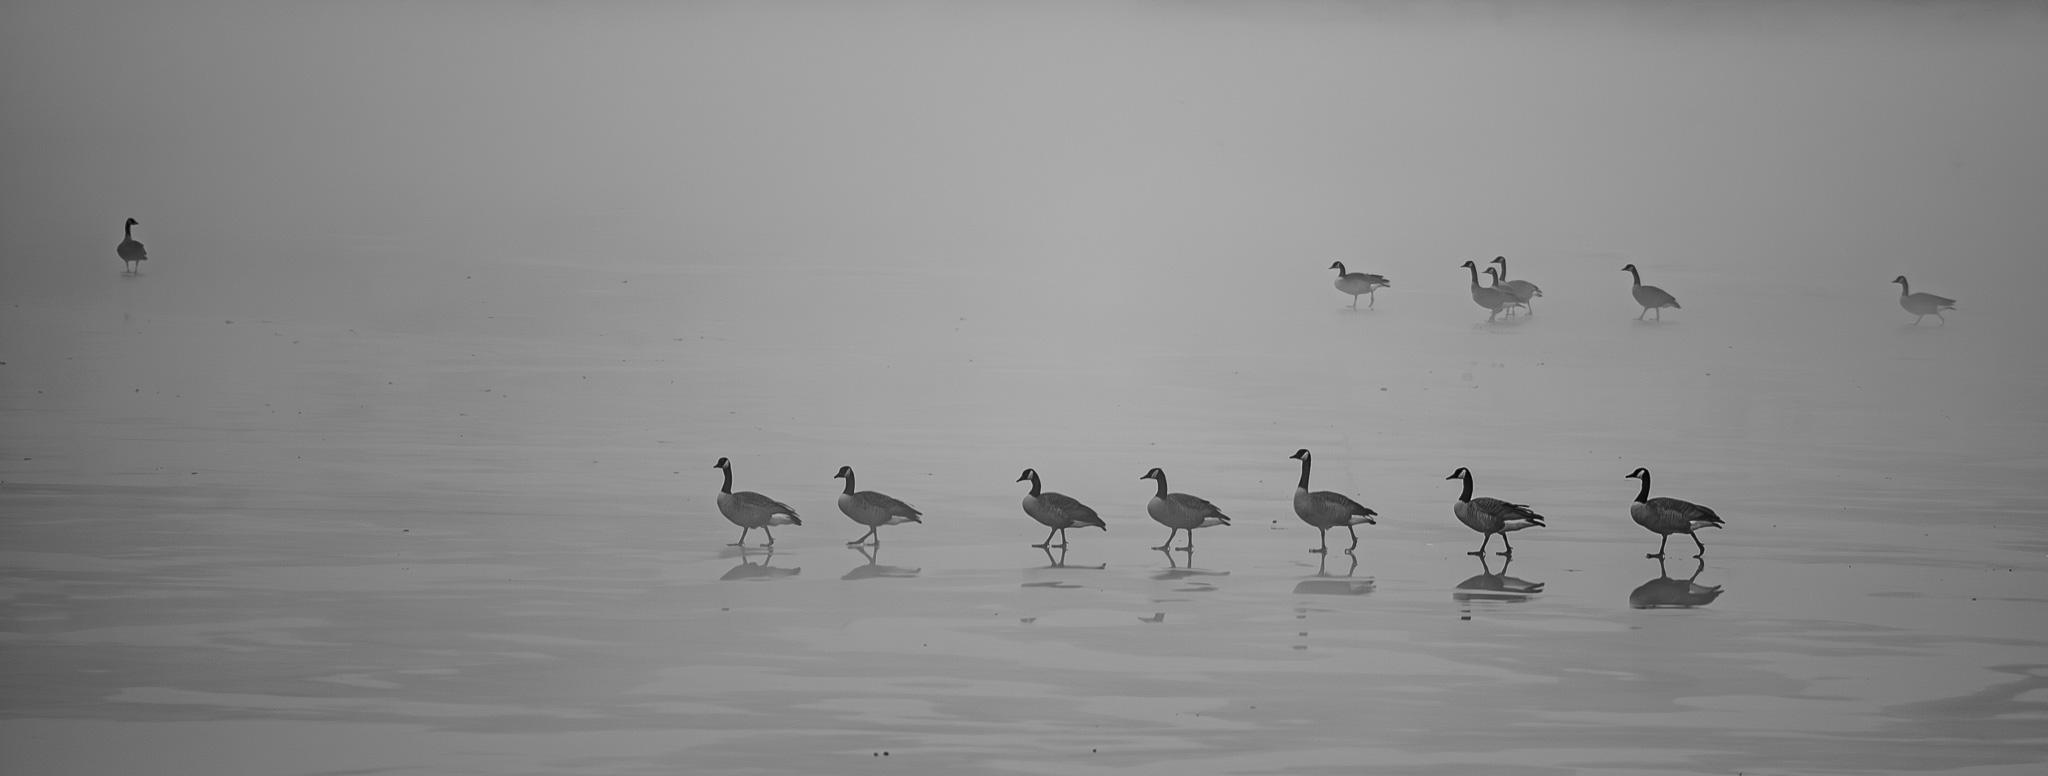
(1042,512)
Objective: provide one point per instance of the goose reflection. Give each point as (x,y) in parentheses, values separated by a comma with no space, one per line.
(1059,560)
(1174,570)
(748,569)
(1488,586)
(873,568)
(1326,583)
(1667,593)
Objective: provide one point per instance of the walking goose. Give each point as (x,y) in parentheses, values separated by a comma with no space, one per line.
(1522,289)
(750,510)
(1491,516)
(131,252)
(1326,509)
(1180,511)
(1057,511)
(1650,297)
(872,509)
(1487,296)
(1921,305)
(1355,283)
(1667,516)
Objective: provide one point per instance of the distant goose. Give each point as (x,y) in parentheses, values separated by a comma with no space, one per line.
(1650,297)
(1921,305)
(1057,511)
(1180,511)
(1667,516)
(872,509)
(1487,296)
(1522,289)
(130,251)
(1495,283)
(1355,283)
(1491,516)
(1327,509)
(750,510)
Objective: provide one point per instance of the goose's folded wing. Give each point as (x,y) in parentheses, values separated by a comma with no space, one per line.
(754,500)
(1066,506)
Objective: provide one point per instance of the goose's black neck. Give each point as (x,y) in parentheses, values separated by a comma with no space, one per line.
(849,484)
(1162,486)
(1634,276)
(1905,288)
(1644,494)
(727,487)
(1338,266)
(1475,274)
(1034,483)
(1466,495)
(1503,267)
(1304,473)
(128,231)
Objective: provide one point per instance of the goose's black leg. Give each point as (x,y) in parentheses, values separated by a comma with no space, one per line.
(1510,551)
(1659,554)
(1048,539)
(743,538)
(864,538)
(1169,539)
(1325,549)
(1354,540)
(1481,552)
(1702,545)
(771,536)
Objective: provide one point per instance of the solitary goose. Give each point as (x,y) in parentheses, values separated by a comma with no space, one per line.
(1667,516)
(1057,511)
(1180,511)
(1921,305)
(1650,297)
(1491,516)
(1326,509)
(1522,289)
(1355,283)
(1487,296)
(131,252)
(750,510)
(872,509)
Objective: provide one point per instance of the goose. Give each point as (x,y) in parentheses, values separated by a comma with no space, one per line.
(1921,305)
(1497,284)
(131,252)
(1057,511)
(1491,516)
(872,509)
(1486,296)
(1180,511)
(750,510)
(1326,509)
(1666,516)
(1650,297)
(1355,283)
(1664,592)
(1522,289)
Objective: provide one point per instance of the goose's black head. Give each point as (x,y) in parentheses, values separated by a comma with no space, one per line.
(1029,474)
(1501,260)
(1338,266)
(133,222)
(1300,455)
(1901,280)
(844,471)
(1154,474)
(1461,473)
(1469,265)
(722,464)
(1629,268)
(1493,273)
(1638,474)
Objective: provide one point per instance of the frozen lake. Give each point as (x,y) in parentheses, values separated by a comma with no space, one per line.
(397,456)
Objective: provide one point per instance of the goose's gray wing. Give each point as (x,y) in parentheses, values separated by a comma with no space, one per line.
(1195,505)
(752,500)
(891,505)
(1507,510)
(1066,506)
(1694,514)
(1339,501)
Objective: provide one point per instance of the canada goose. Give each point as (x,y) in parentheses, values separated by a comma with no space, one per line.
(872,509)
(1667,593)
(1491,516)
(1326,509)
(1355,283)
(1650,297)
(1495,283)
(1922,304)
(1487,296)
(1667,516)
(131,252)
(1180,511)
(750,510)
(1057,511)
(1522,289)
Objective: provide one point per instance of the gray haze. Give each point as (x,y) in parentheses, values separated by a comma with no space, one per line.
(396,455)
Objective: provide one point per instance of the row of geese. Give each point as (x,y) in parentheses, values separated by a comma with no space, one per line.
(1180,512)
(1502,295)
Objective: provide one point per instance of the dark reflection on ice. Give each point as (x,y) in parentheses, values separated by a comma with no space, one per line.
(748,569)
(1176,571)
(1326,583)
(874,568)
(1667,593)
(1059,560)
(1489,586)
